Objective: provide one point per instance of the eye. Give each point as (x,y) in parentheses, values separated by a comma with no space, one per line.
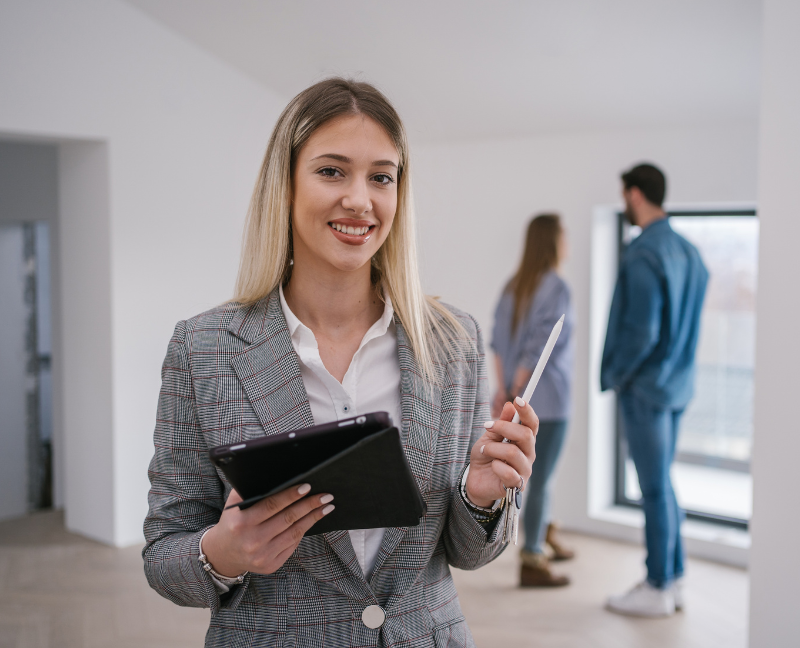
(383,179)
(329,172)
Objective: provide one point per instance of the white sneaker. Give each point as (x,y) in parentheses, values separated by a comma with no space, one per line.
(677,593)
(644,600)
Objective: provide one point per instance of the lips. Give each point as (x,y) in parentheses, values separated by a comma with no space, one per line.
(352,231)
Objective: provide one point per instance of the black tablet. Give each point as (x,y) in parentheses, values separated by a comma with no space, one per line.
(359,460)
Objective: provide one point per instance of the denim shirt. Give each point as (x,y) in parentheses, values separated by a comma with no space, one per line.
(551,400)
(655,319)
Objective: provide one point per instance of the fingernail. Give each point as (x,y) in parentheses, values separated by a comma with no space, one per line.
(304,488)
(482,447)
(488,425)
(328,509)
(325,499)
(519,402)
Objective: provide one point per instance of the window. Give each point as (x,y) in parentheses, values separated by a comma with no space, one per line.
(711,474)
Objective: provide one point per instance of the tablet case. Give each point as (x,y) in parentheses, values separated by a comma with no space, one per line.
(360,461)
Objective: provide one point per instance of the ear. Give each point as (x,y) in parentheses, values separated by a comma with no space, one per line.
(636,198)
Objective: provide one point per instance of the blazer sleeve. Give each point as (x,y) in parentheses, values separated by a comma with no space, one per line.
(467,543)
(186,494)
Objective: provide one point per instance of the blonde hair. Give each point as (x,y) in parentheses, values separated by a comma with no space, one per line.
(267,247)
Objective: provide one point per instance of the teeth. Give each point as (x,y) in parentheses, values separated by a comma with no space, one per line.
(356,231)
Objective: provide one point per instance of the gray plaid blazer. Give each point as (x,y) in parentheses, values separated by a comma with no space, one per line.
(232,374)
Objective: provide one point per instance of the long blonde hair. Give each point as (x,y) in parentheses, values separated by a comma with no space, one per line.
(267,246)
(540,256)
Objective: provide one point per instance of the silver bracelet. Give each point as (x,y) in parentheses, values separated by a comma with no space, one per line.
(209,568)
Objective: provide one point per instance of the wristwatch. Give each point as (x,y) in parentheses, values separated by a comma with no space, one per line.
(482,514)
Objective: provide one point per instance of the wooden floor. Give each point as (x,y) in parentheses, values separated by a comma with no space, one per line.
(500,614)
(62,591)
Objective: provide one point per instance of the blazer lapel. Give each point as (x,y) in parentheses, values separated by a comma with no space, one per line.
(269,372)
(420,407)
(268,368)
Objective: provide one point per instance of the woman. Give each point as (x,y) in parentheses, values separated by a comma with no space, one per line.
(531,304)
(329,321)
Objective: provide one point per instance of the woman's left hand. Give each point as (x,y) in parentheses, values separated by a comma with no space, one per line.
(495,465)
(498,402)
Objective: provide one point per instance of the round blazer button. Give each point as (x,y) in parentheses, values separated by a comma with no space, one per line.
(373,616)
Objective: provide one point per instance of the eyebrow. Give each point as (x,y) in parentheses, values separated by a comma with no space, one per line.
(347,160)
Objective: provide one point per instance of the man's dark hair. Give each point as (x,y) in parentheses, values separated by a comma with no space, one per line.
(649,180)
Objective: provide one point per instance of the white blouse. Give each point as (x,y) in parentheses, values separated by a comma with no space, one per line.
(371,384)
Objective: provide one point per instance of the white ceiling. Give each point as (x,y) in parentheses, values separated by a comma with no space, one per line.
(467,69)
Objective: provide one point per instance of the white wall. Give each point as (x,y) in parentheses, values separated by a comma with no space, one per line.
(474,200)
(775,561)
(160,144)
(85,371)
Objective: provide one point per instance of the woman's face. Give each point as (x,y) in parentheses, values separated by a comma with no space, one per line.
(344,194)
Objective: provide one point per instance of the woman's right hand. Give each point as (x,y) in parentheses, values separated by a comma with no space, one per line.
(261,538)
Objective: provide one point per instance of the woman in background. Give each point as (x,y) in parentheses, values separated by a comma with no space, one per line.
(532,302)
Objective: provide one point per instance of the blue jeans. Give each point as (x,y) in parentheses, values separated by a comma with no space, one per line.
(549,442)
(652,434)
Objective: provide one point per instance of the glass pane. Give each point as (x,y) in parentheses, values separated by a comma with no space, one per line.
(718,423)
(702,489)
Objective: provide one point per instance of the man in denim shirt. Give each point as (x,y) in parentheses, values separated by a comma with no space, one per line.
(649,361)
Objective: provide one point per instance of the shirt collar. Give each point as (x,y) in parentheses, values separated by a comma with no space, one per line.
(657,224)
(291,319)
(376,330)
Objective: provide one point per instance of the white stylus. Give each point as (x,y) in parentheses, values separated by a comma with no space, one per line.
(537,373)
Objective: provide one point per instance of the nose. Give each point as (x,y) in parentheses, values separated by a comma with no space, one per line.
(356,198)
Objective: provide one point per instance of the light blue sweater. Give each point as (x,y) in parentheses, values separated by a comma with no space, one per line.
(551,400)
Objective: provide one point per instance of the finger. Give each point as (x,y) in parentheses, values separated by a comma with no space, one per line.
(508,412)
(271,506)
(285,554)
(233,498)
(527,419)
(509,477)
(276,562)
(519,435)
(510,454)
(289,538)
(527,416)
(494,430)
(289,516)
(476,454)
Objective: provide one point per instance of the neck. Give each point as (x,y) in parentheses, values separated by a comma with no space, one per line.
(650,215)
(333,301)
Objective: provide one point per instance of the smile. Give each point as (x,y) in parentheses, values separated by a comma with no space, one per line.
(352,231)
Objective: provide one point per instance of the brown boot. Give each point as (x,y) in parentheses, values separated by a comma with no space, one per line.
(535,572)
(560,552)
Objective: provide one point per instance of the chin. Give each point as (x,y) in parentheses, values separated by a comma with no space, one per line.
(349,263)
